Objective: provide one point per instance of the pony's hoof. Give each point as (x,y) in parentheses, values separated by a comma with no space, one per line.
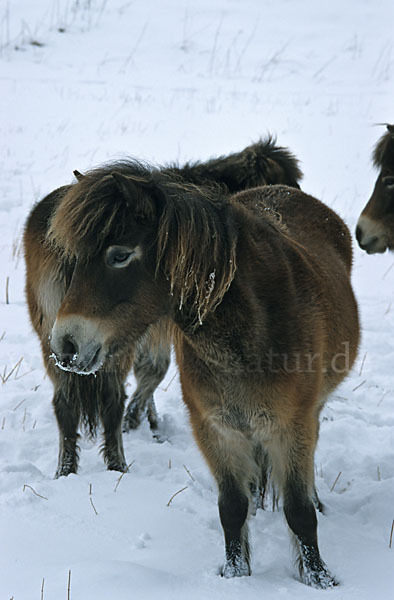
(130,422)
(114,466)
(237,568)
(64,472)
(320,580)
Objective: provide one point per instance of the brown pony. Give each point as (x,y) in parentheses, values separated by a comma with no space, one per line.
(375,227)
(102,397)
(256,291)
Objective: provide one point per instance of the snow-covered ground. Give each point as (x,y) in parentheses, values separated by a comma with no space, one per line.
(85,81)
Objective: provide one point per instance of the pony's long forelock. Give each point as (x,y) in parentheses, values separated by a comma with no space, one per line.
(383,154)
(196,237)
(81,222)
(91,211)
(196,248)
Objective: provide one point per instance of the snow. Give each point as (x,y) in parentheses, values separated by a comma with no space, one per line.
(86,81)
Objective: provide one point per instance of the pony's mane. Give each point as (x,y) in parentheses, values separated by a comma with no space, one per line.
(261,163)
(196,234)
(383,154)
(197,240)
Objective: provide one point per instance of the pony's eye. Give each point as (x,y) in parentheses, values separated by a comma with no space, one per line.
(388,181)
(121,256)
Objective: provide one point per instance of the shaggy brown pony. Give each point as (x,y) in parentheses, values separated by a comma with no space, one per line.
(375,227)
(102,397)
(264,323)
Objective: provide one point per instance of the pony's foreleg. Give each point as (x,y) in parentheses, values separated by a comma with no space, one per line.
(297,466)
(111,415)
(230,457)
(233,511)
(316,500)
(150,367)
(67,414)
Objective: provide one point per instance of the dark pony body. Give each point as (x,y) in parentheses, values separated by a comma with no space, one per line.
(90,400)
(255,293)
(375,227)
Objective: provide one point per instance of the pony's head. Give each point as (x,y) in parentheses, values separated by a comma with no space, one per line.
(144,244)
(375,227)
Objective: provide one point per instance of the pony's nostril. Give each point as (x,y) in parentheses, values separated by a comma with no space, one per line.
(369,244)
(366,243)
(69,349)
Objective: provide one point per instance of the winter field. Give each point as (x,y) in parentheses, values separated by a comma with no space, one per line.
(85,81)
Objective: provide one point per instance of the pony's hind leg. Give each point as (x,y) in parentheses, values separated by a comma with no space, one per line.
(67,412)
(295,456)
(317,502)
(258,487)
(150,367)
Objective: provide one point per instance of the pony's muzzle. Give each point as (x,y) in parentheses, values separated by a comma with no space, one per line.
(77,345)
(365,243)
(369,236)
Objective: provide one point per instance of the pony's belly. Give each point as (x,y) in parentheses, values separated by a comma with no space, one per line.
(254,428)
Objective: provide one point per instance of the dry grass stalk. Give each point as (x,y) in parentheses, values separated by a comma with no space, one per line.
(90,498)
(362,364)
(93,506)
(69,586)
(188,472)
(34,491)
(391,535)
(387,271)
(7,284)
(359,385)
(126,471)
(5,377)
(176,493)
(19,404)
(167,387)
(336,481)
(382,398)
(23,375)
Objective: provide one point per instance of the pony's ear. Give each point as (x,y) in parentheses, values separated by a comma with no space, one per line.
(390,128)
(78,176)
(135,191)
